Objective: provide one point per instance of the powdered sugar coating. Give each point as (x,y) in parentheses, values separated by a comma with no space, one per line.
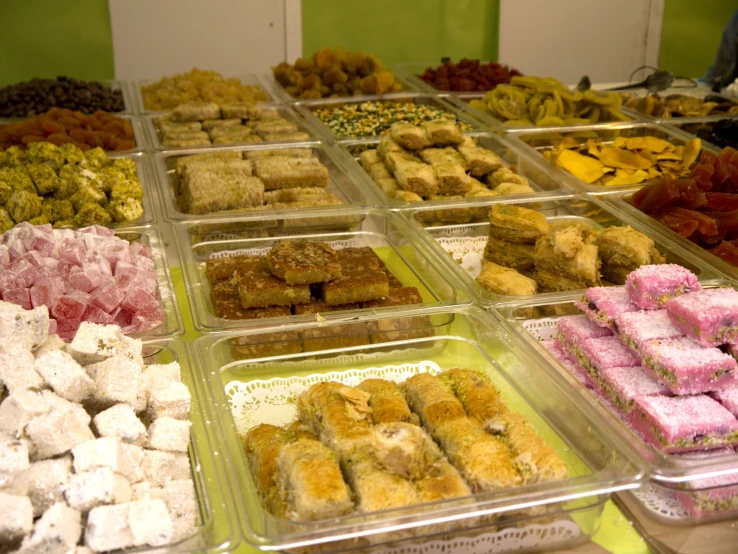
(609,352)
(605,305)
(639,327)
(577,328)
(709,316)
(684,422)
(625,384)
(650,286)
(728,397)
(687,367)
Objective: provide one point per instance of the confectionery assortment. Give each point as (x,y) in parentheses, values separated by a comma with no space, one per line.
(623,161)
(40,95)
(199,86)
(95,432)
(335,73)
(64,126)
(205,123)
(468,75)
(425,439)
(545,102)
(680,105)
(64,186)
(437,162)
(376,117)
(702,208)
(93,442)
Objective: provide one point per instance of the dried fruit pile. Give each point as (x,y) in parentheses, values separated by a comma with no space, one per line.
(335,73)
(39,95)
(625,161)
(67,187)
(199,86)
(702,208)
(545,102)
(63,126)
(680,105)
(468,75)
(86,275)
(723,133)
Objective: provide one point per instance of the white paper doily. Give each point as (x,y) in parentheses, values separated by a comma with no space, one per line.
(466,251)
(262,251)
(273,400)
(542,329)
(661,502)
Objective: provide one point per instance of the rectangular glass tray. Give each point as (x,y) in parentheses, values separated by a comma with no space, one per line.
(216,530)
(245,78)
(459,245)
(342,184)
(147,121)
(263,390)
(373,228)
(541,178)
(306,108)
(542,139)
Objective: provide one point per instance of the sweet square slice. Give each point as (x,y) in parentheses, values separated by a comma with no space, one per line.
(687,367)
(625,247)
(708,316)
(624,384)
(606,305)
(362,278)
(303,263)
(258,288)
(516,224)
(650,286)
(504,280)
(583,266)
(728,397)
(573,330)
(557,351)
(638,327)
(596,355)
(223,268)
(683,423)
(509,254)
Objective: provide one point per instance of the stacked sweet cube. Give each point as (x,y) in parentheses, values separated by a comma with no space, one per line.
(84,275)
(93,443)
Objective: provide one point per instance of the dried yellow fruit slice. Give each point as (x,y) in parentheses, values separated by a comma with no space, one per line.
(624,178)
(569,142)
(620,142)
(665,156)
(624,159)
(582,167)
(653,144)
(691,151)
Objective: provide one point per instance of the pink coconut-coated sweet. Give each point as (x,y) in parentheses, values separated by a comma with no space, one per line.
(728,397)
(683,423)
(687,367)
(709,316)
(639,327)
(572,366)
(608,352)
(605,305)
(625,384)
(575,329)
(650,286)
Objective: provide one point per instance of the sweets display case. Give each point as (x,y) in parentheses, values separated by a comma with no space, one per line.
(543,516)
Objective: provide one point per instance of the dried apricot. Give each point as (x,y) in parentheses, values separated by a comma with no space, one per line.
(125,145)
(127,129)
(51,127)
(59,139)
(69,121)
(28,139)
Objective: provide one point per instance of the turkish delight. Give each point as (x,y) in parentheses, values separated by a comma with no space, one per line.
(650,286)
(605,305)
(709,316)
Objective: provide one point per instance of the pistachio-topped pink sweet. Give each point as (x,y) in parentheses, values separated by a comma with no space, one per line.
(709,316)
(650,286)
(605,305)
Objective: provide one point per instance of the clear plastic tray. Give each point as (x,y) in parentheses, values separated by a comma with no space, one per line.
(460,246)
(373,228)
(539,175)
(535,320)
(306,108)
(156,240)
(246,79)
(216,531)
(142,144)
(543,516)
(342,184)
(286,112)
(542,139)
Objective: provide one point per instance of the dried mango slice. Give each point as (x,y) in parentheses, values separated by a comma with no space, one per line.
(691,151)
(650,156)
(668,156)
(620,142)
(653,144)
(616,157)
(624,178)
(569,142)
(582,167)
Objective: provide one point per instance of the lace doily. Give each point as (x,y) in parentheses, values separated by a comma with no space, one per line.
(273,400)
(661,502)
(542,329)
(262,251)
(466,251)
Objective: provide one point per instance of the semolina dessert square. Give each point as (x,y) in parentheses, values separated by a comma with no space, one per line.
(362,278)
(303,263)
(266,344)
(221,269)
(258,288)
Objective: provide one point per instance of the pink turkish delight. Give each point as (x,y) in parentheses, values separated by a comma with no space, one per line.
(624,384)
(68,307)
(107,297)
(709,316)
(72,251)
(687,367)
(728,397)
(21,297)
(576,370)
(575,329)
(596,355)
(650,286)
(683,423)
(604,305)
(639,327)
(67,328)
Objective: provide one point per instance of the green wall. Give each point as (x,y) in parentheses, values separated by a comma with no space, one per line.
(46,38)
(400,31)
(691,34)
